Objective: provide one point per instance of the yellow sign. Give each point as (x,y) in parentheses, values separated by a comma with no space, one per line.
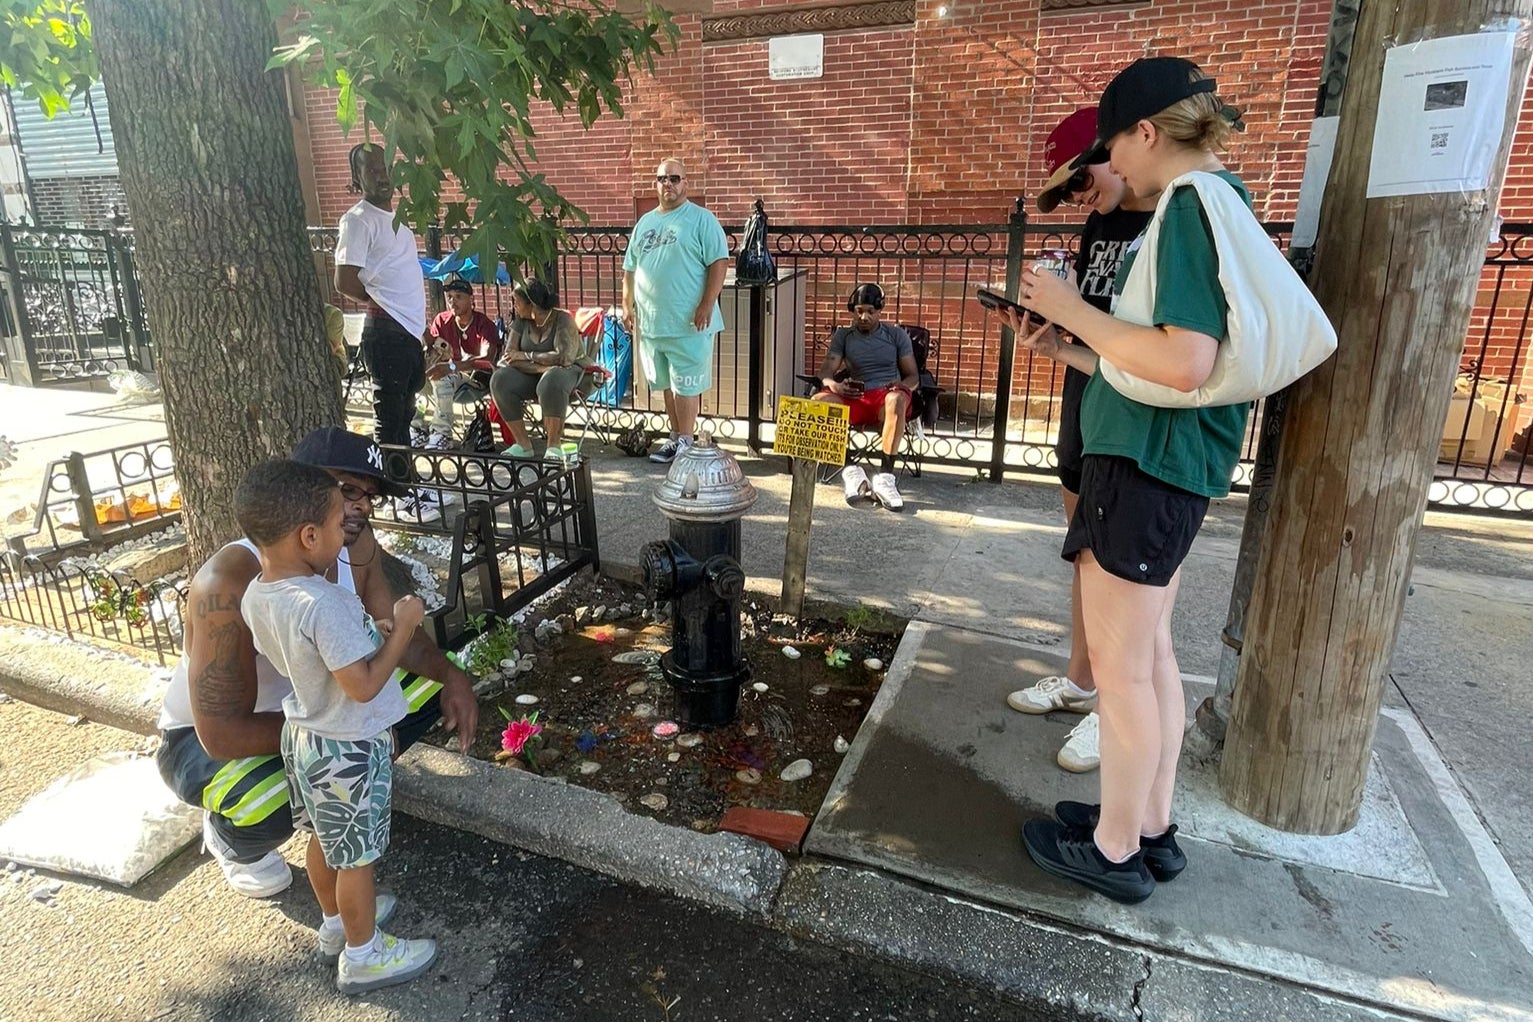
(813,430)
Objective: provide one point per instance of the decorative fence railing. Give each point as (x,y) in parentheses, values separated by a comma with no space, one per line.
(69,305)
(81,600)
(103,497)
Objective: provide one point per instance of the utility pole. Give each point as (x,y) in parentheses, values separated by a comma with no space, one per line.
(1398,278)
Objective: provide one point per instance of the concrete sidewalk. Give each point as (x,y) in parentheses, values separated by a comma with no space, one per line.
(976,567)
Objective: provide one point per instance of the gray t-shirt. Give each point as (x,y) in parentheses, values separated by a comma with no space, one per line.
(308,627)
(874,358)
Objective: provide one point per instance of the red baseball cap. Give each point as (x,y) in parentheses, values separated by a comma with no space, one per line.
(1071,138)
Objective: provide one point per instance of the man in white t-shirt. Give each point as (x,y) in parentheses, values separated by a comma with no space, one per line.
(377,264)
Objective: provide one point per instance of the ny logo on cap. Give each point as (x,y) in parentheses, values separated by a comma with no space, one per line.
(375,457)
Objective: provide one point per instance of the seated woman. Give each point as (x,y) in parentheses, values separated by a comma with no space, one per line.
(542,360)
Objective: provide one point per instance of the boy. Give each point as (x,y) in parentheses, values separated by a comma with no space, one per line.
(337,738)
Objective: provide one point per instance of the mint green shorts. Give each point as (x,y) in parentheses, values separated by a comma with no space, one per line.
(682,365)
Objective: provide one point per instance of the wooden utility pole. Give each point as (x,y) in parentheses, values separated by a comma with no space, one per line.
(1398,278)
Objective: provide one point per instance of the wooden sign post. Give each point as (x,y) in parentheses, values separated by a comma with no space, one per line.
(812,433)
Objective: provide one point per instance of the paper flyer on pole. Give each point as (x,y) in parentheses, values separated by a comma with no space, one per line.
(1317,170)
(1442,106)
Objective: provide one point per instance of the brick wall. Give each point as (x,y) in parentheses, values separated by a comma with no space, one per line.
(82,201)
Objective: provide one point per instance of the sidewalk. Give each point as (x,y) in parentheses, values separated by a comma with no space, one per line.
(1420,911)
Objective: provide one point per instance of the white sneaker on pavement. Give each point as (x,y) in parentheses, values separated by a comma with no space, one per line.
(1049,694)
(668,451)
(886,493)
(390,961)
(1081,752)
(856,482)
(333,942)
(413,507)
(263,878)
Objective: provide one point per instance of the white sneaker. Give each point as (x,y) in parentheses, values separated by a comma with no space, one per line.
(332,943)
(669,450)
(886,493)
(1050,694)
(263,878)
(1081,752)
(390,961)
(856,482)
(416,508)
(438,441)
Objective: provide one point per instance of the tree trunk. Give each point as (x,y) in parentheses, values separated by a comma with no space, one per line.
(1398,277)
(206,156)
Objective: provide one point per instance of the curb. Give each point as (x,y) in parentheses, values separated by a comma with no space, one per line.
(59,675)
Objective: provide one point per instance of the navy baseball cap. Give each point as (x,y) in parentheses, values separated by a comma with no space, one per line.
(1139,92)
(458,284)
(334,448)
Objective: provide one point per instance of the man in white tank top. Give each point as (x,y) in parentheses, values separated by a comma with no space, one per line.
(222,718)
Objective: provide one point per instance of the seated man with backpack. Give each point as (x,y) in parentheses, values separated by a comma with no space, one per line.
(870,367)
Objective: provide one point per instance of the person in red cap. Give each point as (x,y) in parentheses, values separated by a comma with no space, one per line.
(1148,472)
(1117,217)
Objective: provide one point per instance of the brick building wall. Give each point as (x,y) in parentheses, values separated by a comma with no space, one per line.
(80,201)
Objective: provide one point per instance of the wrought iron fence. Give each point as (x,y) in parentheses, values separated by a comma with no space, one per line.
(103,497)
(69,305)
(82,600)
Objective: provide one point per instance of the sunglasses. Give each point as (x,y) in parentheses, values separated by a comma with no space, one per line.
(1077,182)
(356,495)
(661,179)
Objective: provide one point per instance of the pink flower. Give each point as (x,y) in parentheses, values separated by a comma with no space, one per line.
(518,733)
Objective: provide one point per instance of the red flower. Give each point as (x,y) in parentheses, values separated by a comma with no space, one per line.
(518,733)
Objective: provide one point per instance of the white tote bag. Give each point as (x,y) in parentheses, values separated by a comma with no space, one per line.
(1277,331)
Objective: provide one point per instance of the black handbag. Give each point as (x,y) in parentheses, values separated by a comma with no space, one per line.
(754,263)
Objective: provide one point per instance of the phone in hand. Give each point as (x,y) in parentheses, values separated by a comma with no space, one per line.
(852,387)
(995,303)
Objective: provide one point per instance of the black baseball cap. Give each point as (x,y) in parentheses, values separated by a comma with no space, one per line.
(459,285)
(1139,92)
(334,448)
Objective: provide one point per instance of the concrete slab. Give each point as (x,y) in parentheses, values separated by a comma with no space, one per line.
(1417,912)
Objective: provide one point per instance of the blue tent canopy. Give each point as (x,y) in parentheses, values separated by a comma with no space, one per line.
(455,264)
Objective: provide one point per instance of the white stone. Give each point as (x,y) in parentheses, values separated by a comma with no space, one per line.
(759,686)
(589,767)
(872,663)
(524,665)
(689,740)
(509,662)
(797,770)
(638,688)
(841,744)
(791,653)
(575,679)
(599,613)
(819,690)
(749,775)
(674,757)
(654,800)
(644,711)
(527,699)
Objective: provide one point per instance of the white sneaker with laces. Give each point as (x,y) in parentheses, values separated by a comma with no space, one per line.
(1081,752)
(263,878)
(438,442)
(333,942)
(1049,694)
(413,508)
(670,449)
(886,493)
(390,961)
(856,482)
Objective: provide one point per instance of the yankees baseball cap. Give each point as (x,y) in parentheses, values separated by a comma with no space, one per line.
(334,448)
(1139,92)
(1070,138)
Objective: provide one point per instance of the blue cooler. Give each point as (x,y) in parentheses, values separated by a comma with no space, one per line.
(615,353)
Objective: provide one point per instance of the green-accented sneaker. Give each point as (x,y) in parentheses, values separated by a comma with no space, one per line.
(332,944)
(390,961)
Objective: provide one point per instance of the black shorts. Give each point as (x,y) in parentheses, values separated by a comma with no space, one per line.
(1137,527)
(1068,451)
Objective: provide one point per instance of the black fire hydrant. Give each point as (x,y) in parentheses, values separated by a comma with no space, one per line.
(698,569)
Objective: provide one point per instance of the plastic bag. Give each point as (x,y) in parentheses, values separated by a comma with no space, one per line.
(130,383)
(111,819)
(754,264)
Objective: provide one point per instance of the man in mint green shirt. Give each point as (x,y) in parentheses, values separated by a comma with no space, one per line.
(672,275)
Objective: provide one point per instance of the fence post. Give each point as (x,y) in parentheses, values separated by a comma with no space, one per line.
(85,500)
(1016,231)
(21,363)
(130,302)
(434,250)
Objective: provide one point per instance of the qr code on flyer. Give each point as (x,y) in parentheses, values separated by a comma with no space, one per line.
(1439,140)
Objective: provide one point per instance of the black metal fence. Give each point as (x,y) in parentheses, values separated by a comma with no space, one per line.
(81,600)
(69,305)
(101,498)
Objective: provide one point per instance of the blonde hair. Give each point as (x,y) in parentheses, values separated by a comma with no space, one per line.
(1199,122)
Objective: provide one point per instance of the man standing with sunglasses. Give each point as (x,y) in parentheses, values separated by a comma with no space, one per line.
(673,273)
(221,723)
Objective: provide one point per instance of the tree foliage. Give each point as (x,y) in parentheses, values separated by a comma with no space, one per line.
(45,50)
(450,85)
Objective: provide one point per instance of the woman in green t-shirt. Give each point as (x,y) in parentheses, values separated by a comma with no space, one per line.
(543,360)
(1146,477)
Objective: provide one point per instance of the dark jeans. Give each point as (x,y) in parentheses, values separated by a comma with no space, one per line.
(397,364)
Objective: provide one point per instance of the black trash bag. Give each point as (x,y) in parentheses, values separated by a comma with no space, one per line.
(754,264)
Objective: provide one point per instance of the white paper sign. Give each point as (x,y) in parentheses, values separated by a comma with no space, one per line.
(1442,105)
(1317,170)
(796,56)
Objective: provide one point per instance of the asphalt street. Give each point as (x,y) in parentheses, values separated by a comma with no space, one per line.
(522,938)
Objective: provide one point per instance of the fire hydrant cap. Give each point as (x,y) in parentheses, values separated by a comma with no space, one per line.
(705,484)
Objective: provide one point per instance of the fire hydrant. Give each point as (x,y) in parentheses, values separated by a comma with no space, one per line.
(698,569)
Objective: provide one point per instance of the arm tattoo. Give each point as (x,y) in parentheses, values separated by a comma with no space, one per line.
(220,687)
(218,603)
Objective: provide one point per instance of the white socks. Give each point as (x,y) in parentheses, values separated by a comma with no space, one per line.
(1078,691)
(357,954)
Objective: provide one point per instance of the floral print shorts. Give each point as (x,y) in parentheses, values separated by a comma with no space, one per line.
(339,791)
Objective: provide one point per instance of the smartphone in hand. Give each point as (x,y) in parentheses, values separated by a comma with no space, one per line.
(995,303)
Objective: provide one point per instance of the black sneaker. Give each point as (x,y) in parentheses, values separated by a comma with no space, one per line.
(1072,854)
(1162,855)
